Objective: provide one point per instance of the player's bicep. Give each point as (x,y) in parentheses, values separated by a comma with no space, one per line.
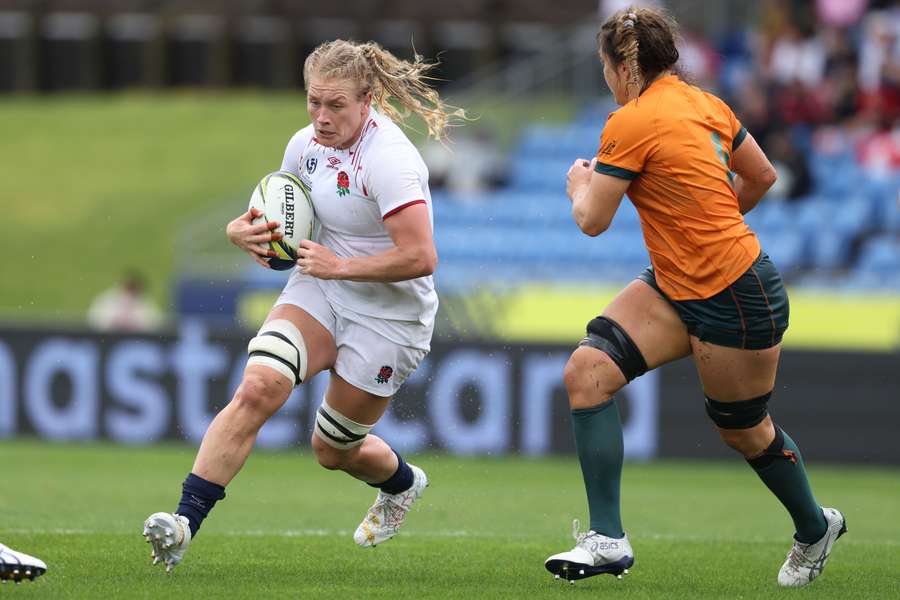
(750,162)
(607,191)
(410,226)
(410,230)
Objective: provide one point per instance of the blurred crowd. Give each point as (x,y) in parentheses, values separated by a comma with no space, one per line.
(810,78)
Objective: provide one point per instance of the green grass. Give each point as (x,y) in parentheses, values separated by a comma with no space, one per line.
(483,529)
(92,185)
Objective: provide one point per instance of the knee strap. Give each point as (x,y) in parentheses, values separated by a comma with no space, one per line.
(774,452)
(338,431)
(606,335)
(743,414)
(279,345)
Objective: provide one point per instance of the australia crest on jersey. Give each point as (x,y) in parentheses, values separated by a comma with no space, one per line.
(343,183)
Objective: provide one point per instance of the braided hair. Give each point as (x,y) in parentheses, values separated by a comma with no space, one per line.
(644,38)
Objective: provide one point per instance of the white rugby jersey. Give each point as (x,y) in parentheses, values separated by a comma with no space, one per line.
(353,191)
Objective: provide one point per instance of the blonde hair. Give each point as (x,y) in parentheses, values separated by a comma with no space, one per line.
(389,78)
(644,38)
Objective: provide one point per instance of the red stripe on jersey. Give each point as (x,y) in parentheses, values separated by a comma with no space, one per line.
(356,153)
(401,207)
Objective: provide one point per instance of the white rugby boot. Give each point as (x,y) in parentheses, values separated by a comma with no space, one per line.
(169,535)
(385,517)
(805,562)
(593,554)
(16,566)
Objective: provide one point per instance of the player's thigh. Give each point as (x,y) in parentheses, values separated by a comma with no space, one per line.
(651,322)
(354,403)
(733,374)
(605,362)
(321,350)
(266,386)
(303,303)
(368,371)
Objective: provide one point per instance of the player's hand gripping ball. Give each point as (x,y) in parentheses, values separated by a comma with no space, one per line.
(283,198)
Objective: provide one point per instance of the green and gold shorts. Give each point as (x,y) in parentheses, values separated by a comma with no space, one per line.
(751,313)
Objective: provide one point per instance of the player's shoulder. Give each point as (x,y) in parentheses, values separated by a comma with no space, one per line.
(387,133)
(296,148)
(301,138)
(633,115)
(389,141)
(715,100)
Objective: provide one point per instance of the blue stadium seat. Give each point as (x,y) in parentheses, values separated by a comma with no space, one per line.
(534,174)
(830,249)
(788,249)
(774,215)
(526,232)
(880,256)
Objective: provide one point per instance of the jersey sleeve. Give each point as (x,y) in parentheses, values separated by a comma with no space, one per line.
(393,179)
(627,141)
(295,147)
(740,132)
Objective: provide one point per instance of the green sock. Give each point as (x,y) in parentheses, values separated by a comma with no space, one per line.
(781,469)
(598,438)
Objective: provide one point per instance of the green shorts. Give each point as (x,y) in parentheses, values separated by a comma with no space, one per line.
(751,313)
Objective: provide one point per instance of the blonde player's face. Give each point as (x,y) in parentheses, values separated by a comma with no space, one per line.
(336,110)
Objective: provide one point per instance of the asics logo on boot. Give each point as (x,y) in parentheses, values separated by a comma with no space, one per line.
(604,546)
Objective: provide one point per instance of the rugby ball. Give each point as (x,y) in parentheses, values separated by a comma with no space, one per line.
(283,198)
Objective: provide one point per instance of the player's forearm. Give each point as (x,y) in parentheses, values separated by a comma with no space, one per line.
(749,193)
(592,217)
(397,264)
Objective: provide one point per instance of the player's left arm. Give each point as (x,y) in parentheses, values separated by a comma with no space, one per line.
(412,256)
(755,174)
(595,196)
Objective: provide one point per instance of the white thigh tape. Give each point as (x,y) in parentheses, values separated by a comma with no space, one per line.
(338,431)
(279,345)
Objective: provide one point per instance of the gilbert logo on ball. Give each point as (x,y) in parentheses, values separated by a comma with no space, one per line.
(281,197)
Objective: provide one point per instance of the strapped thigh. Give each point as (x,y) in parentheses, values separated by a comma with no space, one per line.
(606,335)
(280,346)
(339,431)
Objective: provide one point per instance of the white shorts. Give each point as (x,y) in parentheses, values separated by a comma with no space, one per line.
(365,359)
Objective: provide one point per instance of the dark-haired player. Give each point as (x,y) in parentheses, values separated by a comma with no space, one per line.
(692,171)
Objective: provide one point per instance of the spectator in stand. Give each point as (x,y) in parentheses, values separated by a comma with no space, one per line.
(794,179)
(125,307)
(797,56)
(755,110)
(839,91)
(471,165)
(698,58)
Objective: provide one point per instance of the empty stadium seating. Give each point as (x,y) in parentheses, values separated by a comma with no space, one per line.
(847,233)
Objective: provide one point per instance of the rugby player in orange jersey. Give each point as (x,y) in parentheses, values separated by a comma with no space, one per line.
(692,171)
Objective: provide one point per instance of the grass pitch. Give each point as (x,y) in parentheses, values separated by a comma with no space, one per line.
(482,530)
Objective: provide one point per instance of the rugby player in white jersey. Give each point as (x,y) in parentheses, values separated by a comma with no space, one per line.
(360,303)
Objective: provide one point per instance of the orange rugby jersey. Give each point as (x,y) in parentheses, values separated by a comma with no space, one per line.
(674,143)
